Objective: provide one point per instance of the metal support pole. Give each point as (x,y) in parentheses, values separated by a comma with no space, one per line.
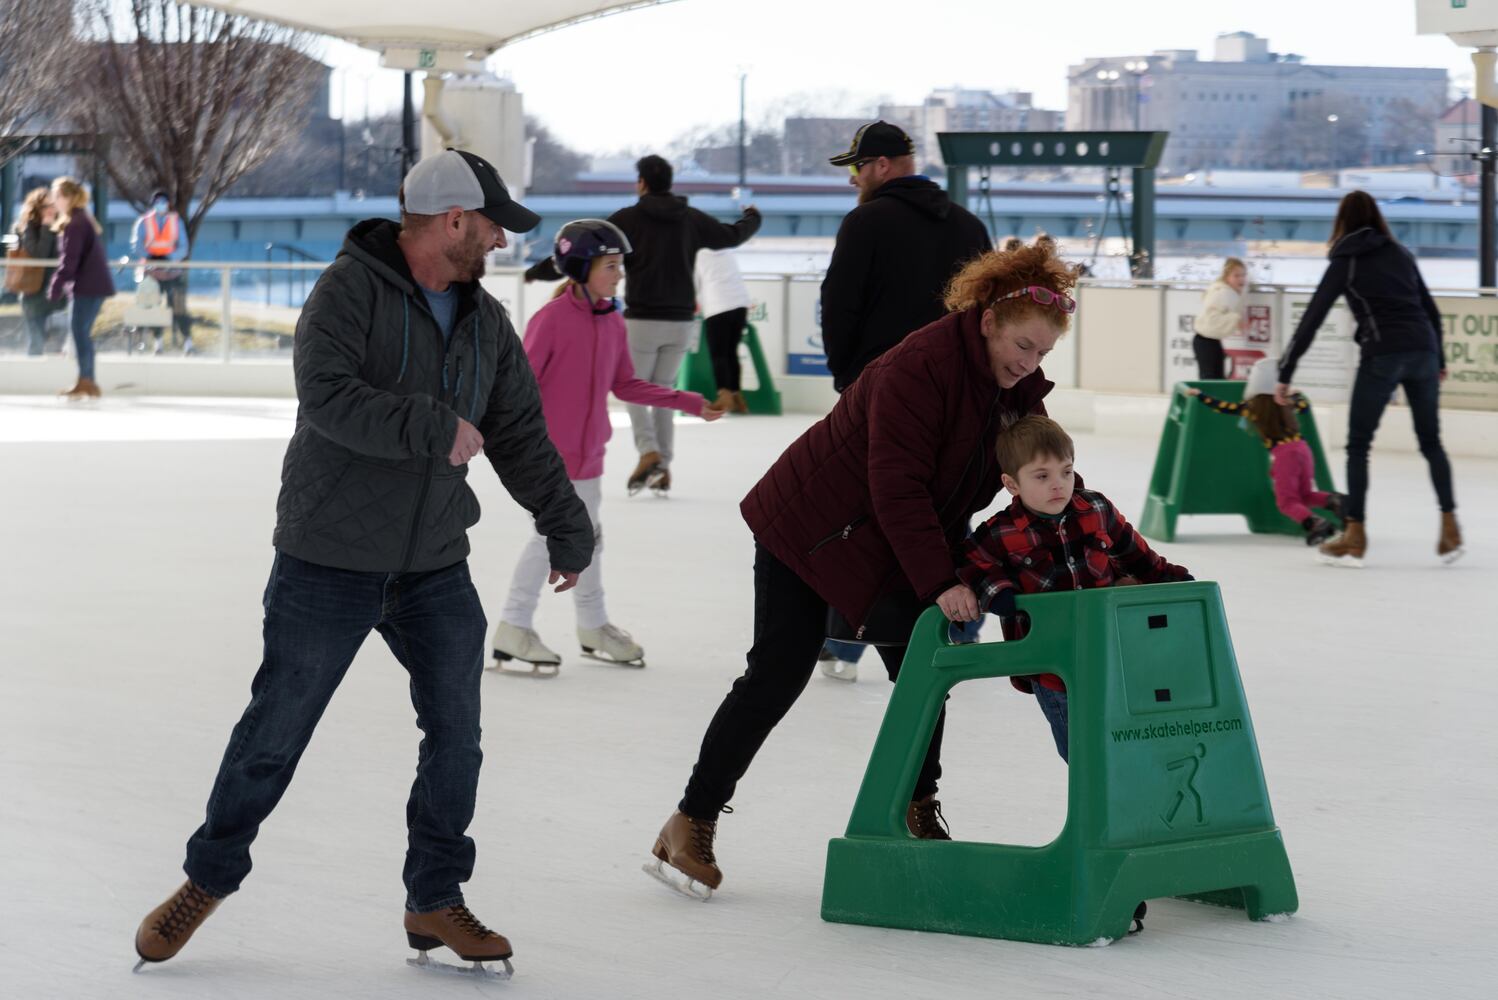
(957,183)
(1485,255)
(226,314)
(408,129)
(743,136)
(1142,261)
(8,184)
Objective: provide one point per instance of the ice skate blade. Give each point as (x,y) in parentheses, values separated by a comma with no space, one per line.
(689,887)
(522,668)
(840,670)
(478,970)
(1452,556)
(1341,562)
(597,657)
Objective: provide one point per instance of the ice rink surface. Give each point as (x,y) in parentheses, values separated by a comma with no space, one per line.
(136,542)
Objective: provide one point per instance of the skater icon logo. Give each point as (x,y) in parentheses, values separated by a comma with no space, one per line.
(1183,791)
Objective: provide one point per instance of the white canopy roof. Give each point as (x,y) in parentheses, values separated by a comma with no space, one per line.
(479,26)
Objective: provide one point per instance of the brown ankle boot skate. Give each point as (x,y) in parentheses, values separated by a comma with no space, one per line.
(167,928)
(924,819)
(647,473)
(1347,548)
(724,401)
(458,930)
(686,844)
(1449,547)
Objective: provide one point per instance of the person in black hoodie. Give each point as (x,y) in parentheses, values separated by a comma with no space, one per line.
(890,266)
(1399,333)
(660,299)
(894,253)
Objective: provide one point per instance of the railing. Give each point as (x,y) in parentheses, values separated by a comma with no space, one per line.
(1128,336)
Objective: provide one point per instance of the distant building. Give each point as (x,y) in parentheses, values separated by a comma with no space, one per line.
(953,109)
(809,142)
(1457,133)
(1251,108)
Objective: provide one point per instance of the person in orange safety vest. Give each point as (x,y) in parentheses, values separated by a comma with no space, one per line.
(160,235)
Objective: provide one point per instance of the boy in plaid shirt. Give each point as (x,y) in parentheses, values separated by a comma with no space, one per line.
(1052,537)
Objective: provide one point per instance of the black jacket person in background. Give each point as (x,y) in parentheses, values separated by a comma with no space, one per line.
(894,254)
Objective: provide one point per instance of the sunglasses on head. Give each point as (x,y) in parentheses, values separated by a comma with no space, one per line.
(1043,296)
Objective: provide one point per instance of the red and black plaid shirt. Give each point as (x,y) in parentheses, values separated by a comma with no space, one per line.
(1089,545)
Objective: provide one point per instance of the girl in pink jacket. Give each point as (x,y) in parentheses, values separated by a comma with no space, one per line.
(577,346)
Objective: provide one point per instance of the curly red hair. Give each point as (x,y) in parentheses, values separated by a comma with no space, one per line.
(983,279)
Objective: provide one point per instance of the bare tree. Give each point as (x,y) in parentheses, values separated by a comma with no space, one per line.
(36,44)
(193,98)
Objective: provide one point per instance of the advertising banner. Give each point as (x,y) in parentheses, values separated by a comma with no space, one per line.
(1470,339)
(804,354)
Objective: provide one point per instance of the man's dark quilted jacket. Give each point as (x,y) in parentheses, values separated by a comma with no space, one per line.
(366,483)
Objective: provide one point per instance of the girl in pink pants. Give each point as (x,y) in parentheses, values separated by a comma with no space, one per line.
(1291,465)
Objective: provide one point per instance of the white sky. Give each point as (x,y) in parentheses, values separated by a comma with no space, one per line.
(639,78)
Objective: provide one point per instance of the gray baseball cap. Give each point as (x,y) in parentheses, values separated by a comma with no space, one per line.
(456,178)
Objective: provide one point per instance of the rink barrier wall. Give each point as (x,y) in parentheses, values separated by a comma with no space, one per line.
(1130,343)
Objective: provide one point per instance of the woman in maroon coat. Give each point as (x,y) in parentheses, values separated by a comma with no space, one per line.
(868,507)
(82,275)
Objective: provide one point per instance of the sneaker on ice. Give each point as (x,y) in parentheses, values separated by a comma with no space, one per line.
(840,670)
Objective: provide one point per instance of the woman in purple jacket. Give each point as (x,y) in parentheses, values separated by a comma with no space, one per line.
(82,275)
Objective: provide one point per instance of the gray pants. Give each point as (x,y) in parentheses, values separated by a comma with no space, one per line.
(656,346)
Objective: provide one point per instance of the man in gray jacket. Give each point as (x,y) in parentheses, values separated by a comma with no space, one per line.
(405,370)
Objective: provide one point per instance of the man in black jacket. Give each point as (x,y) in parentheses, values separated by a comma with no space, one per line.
(406,369)
(894,254)
(890,265)
(660,299)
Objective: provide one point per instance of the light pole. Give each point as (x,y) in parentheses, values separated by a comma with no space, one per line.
(1108,76)
(1136,69)
(1336,149)
(743,133)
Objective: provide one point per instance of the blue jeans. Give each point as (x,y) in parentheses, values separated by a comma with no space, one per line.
(316,618)
(1419,372)
(85,311)
(1053,704)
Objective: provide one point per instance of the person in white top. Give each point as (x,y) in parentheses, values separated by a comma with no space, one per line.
(724,300)
(1222,316)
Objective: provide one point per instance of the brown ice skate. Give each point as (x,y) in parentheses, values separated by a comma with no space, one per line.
(647,473)
(167,928)
(458,930)
(686,844)
(1449,547)
(924,819)
(1347,548)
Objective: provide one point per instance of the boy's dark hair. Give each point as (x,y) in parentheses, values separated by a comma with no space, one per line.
(1030,438)
(655,172)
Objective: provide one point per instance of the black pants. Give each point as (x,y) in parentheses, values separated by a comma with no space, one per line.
(175,290)
(1419,373)
(724,331)
(1208,357)
(790,621)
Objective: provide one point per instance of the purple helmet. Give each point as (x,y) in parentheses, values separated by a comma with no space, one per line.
(580,241)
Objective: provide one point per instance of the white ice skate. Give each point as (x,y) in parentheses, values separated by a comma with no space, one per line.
(478,970)
(512,643)
(610,644)
(840,670)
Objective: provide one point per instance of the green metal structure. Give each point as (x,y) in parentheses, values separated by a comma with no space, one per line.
(1210,463)
(1166,795)
(1112,151)
(696,374)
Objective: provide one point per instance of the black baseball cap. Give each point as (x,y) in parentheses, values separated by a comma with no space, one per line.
(875,139)
(456,178)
